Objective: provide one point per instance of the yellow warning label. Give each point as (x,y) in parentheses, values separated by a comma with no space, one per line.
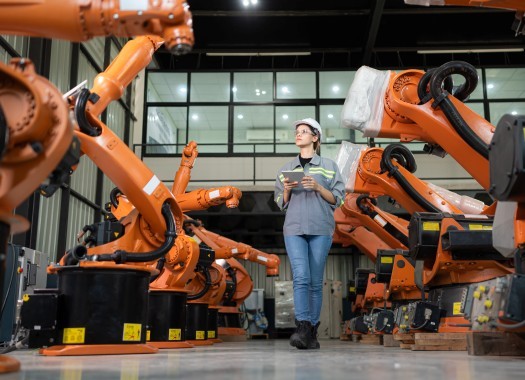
(148,335)
(25,297)
(211,334)
(352,289)
(487,228)
(475,227)
(174,334)
(456,308)
(387,260)
(116,234)
(132,332)
(74,335)
(431,226)
(200,334)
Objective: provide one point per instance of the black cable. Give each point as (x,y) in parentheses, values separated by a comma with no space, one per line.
(422,92)
(509,326)
(207,283)
(113,196)
(420,327)
(80,114)
(442,101)
(121,256)
(395,150)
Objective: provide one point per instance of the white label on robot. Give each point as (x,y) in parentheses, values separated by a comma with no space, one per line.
(380,220)
(262,258)
(151,185)
(214,194)
(133,5)
(475,216)
(234,251)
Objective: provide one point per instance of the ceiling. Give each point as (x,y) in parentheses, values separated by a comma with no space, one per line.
(343,34)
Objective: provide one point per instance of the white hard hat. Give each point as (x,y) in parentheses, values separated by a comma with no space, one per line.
(312,123)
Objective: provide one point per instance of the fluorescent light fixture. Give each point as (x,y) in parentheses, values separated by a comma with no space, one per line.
(507,50)
(256,54)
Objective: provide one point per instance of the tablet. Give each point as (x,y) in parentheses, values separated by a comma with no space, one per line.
(293,176)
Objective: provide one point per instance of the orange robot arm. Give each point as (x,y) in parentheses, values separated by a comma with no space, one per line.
(392,229)
(241,285)
(389,172)
(182,177)
(82,20)
(202,199)
(36,135)
(502,4)
(417,106)
(226,248)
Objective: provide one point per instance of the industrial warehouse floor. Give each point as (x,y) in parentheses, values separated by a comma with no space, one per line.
(272,359)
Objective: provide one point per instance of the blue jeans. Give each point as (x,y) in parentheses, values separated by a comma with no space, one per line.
(308,255)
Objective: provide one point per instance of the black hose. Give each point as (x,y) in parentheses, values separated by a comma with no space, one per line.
(4,133)
(187,222)
(122,256)
(113,195)
(394,151)
(159,266)
(360,202)
(442,101)
(231,272)
(80,114)
(207,284)
(422,92)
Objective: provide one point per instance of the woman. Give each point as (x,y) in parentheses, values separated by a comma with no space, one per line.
(309,226)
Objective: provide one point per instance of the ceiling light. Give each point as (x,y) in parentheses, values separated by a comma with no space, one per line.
(264,92)
(183,90)
(452,51)
(240,116)
(245,3)
(285,90)
(514,113)
(253,2)
(285,117)
(234,89)
(490,86)
(335,89)
(195,117)
(330,116)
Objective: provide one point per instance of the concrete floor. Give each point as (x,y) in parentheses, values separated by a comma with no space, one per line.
(272,359)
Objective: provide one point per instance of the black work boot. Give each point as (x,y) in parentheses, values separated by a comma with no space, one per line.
(314,343)
(302,335)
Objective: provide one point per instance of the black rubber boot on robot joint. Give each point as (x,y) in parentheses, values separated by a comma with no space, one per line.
(302,336)
(314,343)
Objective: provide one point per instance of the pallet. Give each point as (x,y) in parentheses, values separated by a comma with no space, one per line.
(389,341)
(406,340)
(497,343)
(371,339)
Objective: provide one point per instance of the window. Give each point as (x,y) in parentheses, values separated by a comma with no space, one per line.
(284,118)
(335,84)
(167,126)
(296,85)
(208,127)
(252,87)
(253,125)
(210,87)
(167,87)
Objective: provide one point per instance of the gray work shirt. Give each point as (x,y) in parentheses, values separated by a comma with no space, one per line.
(307,213)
